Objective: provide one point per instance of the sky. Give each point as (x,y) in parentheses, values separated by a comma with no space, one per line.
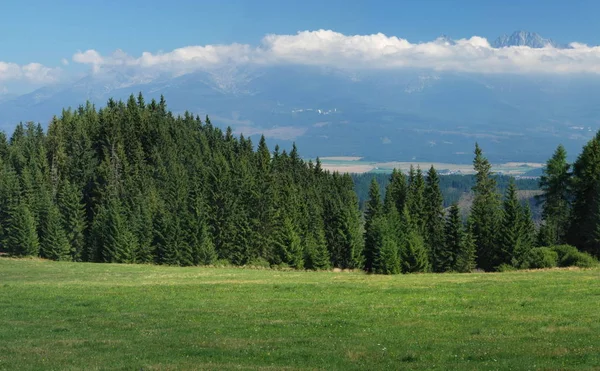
(40,40)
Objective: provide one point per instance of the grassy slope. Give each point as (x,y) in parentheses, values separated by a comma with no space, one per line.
(97,316)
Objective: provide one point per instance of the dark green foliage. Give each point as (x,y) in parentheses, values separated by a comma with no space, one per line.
(54,244)
(447,257)
(373,211)
(465,261)
(539,257)
(317,255)
(288,244)
(73,218)
(569,256)
(416,199)
(385,249)
(414,254)
(556,184)
(134,183)
(586,201)
(453,187)
(485,213)
(21,235)
(517,232)
(434,222)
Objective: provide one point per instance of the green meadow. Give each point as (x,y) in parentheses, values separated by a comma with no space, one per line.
(61,316)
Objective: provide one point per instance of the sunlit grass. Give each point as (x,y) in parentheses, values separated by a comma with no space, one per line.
(101,316)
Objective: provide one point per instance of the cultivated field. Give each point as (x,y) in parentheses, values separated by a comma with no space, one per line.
(99,316)
(359,166)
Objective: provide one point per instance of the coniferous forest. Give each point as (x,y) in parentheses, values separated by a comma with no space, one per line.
(132,183)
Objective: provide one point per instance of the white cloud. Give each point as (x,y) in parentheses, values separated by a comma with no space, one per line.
(64,61)
(330,48)
(32,73)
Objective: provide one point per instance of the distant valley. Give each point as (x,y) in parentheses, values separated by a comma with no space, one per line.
(405,115)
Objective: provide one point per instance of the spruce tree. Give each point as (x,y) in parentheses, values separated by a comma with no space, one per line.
(413,252)
(385,249)
(556,185)
(397,190)
(434,220)
(454,240)
(205,252)
(22,238)
(372,212)
(485,213)
(54,242)
(317,255)
(73,217)
(511,236)
(528,230)
(416,200)
(289,246)
(465,261)
(586,190)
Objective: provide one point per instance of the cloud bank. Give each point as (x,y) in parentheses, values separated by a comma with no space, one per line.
(32,73)
(377,51)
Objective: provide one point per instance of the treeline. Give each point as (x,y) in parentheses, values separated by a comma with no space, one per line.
(453,186)
(410,231)
(132,183)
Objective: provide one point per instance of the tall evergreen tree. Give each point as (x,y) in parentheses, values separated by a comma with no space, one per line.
(465,261)
(454,241)
(373,211)
(416,200)
(485,212)
(413,252)
(22,238)
(556,185)
(511,236)
(73,217)
(434,220)
(586,191)
(385,251)
(55,244)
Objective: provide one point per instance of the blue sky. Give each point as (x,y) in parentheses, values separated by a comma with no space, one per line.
(46,31)
(44,42)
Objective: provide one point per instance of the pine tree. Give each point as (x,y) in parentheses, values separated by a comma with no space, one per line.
(385,249)
(528,231)
(413,252)
(317,255)
(73,217)
(511,237)
(586,189)
(465,261)
(416,200)
(485,213)
(434,220)
(397,190)
(289,246)
(205,253)
(22,238)
(55,244)
(373,211)
(556,185)
(454,239)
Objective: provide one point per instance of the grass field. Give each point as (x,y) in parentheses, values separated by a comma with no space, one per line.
(100,316)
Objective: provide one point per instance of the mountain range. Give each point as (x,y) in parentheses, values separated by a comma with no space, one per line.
(380,115)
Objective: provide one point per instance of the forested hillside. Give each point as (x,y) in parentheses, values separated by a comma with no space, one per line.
(132,183)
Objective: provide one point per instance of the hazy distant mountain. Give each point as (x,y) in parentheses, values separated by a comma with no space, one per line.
(524,38)
(382,115)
